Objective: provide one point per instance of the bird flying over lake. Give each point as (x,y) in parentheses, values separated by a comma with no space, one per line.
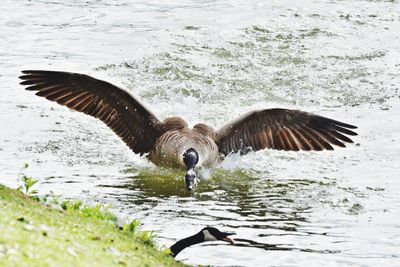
(171,142)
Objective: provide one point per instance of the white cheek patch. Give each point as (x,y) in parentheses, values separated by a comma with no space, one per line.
(208,236)
(193,154)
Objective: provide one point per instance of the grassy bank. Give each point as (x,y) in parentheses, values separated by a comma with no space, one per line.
(32,234)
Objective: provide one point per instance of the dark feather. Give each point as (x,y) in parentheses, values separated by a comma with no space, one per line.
(120,111)
(282,129)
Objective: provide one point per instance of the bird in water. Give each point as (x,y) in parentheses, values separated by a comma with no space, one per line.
(171,143)
(206,234)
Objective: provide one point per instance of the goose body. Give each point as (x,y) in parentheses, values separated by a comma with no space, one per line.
(171,142)
(171,145)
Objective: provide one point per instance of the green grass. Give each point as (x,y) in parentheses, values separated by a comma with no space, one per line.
(33,234)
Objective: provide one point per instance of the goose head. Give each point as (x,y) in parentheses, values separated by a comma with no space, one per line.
(190,159)
(213,234)
(206,234)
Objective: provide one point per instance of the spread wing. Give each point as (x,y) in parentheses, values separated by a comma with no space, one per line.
(282,129)
(120,111)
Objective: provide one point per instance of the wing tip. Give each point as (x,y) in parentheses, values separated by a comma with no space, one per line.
(346,125)
(351,126)
(30,71)
(38,72)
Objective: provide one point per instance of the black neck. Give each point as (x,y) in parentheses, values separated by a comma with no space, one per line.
(184,243)
(190,158)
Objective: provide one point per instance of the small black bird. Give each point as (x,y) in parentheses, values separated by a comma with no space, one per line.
(206,234)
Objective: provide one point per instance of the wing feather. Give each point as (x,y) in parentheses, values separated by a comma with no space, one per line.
(283,129)
(295,145)
(120,111)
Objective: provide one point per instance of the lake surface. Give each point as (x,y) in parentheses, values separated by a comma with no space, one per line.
(212,61)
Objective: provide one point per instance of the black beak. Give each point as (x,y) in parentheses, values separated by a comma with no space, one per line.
(190,179)
(227,239)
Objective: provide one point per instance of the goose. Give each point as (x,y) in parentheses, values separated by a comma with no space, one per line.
(206,234)
(171,143)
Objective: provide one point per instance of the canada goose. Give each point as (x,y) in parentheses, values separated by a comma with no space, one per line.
(206,234)
(171,142)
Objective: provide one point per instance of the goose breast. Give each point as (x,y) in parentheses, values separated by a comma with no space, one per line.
(169,148)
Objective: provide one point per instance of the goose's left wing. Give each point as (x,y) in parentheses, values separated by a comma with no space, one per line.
(282,129)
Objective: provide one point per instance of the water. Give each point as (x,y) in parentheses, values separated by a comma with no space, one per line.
(213,61)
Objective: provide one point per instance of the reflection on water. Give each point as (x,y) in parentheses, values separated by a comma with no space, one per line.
(269,214)
(240,242)
(236,199)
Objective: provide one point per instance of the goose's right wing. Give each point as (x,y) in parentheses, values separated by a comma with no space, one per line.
(120,111)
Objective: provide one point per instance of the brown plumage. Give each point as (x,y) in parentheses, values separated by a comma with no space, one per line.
(167,141)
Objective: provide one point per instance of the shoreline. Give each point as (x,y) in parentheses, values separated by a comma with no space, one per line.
(33,233)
